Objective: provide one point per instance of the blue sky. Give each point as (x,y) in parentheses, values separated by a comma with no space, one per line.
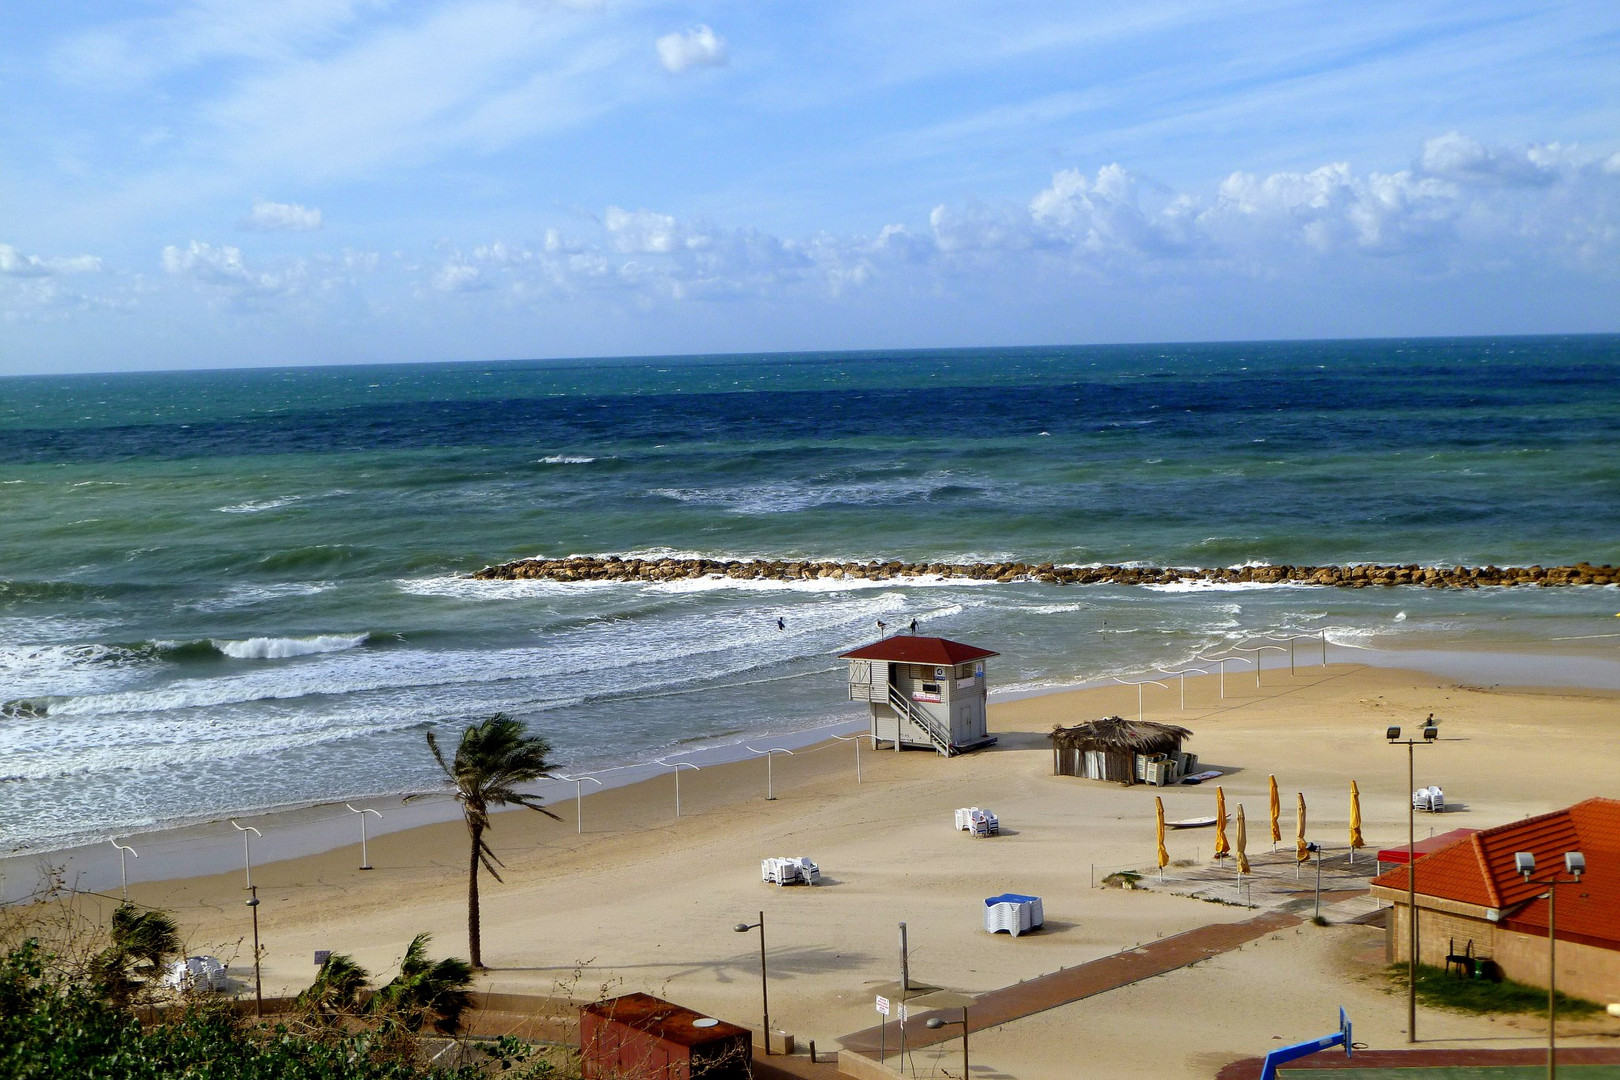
(227,182)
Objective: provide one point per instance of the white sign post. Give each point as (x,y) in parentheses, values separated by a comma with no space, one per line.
(883,1005)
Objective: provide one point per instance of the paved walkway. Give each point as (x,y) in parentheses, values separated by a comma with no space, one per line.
(1072,984)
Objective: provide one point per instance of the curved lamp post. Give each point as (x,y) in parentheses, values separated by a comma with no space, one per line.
(856,739)
(770,783)
(1257,650)
(677,765)
(1138,685)
(1393,734)
(1223,660)
(1181,680)
(253,905)
(365,859)
(764,986)
(1575,866)
(123,877)
(936,1023)
(247,854)
(579,804)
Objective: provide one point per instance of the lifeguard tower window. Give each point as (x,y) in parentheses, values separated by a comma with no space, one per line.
(930,687)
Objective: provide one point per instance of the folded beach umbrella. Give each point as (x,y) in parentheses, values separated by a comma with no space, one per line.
(1221,846)
(1242,842)
(1276,829)
(1300,853)
(1355,820)
(1164,856)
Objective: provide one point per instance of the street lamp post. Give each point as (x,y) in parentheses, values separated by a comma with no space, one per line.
(123,876)
(1393,734)
(1181,679)
(1223,660)
(579,804)
(936,1023)
(677,765)
(1575,865)
(1138,686)
(764,985)
(1257,650)
(770,783)
(258,984)
(365,859)
(856,739)
(247,854)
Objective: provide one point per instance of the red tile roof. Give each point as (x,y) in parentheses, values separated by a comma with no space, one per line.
(1480,870)
(911,649)
(1397,854)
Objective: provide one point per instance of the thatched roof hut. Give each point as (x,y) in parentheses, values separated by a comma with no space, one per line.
(1108,749)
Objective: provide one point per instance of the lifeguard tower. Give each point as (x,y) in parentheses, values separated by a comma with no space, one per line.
(925,692)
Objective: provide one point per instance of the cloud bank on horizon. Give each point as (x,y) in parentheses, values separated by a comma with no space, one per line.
(205,183)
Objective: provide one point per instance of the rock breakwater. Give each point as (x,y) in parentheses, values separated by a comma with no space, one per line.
(617,568)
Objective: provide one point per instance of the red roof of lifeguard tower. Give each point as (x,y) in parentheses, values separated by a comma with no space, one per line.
(911,649)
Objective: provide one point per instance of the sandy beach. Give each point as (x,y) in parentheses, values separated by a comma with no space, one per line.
(641,900)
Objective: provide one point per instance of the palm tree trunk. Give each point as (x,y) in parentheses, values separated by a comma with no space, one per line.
(474,953)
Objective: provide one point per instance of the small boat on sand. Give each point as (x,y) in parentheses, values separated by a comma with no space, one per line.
(1192,822)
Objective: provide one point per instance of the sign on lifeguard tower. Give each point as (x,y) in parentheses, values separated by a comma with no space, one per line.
(924,692)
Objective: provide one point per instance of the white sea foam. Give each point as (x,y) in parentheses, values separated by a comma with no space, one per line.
(566,459)
(248,595)
(792,496)
(260,506)
(279,648)
(1226,586)
(720,583)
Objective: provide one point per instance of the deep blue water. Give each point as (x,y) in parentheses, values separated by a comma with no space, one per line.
(231,590)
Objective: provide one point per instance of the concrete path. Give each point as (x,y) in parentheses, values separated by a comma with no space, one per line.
(1072,984)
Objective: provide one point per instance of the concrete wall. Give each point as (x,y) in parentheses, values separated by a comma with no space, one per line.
(1583,970)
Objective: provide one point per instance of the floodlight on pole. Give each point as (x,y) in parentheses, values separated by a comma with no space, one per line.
(856,739)
(677,766)
(1574,865)
(764,984)
(247,854)
(1393,734)
(123,876)
(770,783)
(579,804)
(365,858)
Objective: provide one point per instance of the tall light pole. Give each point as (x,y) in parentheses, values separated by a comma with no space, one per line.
(123,876)
(247,854)
(365,860)
(677,765)
(936,1023)
(764,985)
(1575,865)
(258,984)
(856,739)
(1393,734)
(579,804)
(770,784)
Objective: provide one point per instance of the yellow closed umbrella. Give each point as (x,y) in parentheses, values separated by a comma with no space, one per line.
(1300,854)
(1221,846)
(1242,842)
(1164,856)
(1355,821)
(1276,808)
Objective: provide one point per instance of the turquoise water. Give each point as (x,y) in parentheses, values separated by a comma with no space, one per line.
(228,591)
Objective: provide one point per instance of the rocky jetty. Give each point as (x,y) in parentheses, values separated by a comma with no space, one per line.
(615,568)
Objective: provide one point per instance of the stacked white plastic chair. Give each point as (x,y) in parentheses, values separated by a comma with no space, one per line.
(790,871)
(1015,913)
(977,822)
(1431,799)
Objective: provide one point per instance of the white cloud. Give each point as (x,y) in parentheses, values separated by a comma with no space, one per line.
(283,217)
(697,47)
(224,268)
(1456,157)
(14,263)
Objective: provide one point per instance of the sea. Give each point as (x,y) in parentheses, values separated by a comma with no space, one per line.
(225,592)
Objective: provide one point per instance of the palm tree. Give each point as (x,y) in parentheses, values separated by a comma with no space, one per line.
(425,990)
(142,943)
(336,990)
(494,757)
